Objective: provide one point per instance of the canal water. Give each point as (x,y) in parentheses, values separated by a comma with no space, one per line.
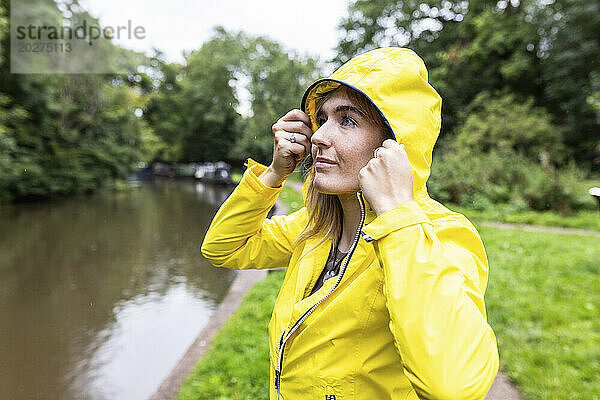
(101,295)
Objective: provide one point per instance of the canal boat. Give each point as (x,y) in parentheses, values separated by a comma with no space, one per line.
(218,172)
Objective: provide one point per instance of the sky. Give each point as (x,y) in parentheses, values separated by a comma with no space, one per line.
(174,26)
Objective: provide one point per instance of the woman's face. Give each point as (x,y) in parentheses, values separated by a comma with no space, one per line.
(342,145)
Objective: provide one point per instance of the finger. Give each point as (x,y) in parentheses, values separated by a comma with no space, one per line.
(300,145)
(381,152)
(298,127)
(294,126)
(390,144)
(296,115)
(368,169)
(298,149)
(364,172)
(301,140)
(293,137)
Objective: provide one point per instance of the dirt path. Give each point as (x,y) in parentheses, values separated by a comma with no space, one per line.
(539,228)
(502,389)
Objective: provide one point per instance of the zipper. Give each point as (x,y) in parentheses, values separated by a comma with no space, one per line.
(285,337)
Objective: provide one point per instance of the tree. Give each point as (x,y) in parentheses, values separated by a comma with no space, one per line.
(208,87)
(3,30)
(277,82)
(166,110)
(571,65)
(193,109)
(222,103)
(547,51)
(62,134)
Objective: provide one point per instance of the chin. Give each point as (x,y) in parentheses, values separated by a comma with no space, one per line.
(330,185)
(324,189)
(322,184)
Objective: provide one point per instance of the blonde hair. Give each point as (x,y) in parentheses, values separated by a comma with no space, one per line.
(325,210)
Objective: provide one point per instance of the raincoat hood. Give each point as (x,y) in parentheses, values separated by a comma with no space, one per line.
(395,80)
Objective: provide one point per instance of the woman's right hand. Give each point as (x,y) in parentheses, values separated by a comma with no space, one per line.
(288,154)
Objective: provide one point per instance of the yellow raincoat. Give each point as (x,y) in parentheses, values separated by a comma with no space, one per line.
(405,318)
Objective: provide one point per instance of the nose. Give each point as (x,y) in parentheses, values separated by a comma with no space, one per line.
(322,137)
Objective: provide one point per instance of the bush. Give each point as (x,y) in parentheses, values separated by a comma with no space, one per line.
(502,122)
(481,181)
(508,152)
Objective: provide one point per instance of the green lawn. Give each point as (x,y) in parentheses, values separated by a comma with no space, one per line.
(292,198)
(542,300)
(236,175)
(544,305)
(296,176)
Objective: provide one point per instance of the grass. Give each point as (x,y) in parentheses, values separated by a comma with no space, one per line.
(542,301)
(292,198)
(296,176)
(236,175)
(544,305)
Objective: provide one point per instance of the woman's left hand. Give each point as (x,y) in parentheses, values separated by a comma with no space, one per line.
(386,181)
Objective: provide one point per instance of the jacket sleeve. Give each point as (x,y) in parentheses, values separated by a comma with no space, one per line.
(434,282)
(242,237)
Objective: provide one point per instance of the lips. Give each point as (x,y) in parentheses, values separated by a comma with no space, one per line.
(324,162)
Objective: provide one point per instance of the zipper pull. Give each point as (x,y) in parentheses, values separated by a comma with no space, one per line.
(277,375)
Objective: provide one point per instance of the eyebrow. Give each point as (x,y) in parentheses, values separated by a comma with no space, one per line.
(339,109)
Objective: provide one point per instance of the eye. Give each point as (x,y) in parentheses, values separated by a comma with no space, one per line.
(347,121)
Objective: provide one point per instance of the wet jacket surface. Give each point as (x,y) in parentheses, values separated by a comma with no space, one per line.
(405,318)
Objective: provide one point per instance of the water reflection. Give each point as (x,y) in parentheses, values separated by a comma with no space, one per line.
(100,295)
(211,194)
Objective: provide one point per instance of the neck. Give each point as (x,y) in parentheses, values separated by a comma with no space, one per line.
(351,219)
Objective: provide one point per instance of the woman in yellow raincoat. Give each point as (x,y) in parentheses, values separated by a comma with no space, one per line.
(384,292)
